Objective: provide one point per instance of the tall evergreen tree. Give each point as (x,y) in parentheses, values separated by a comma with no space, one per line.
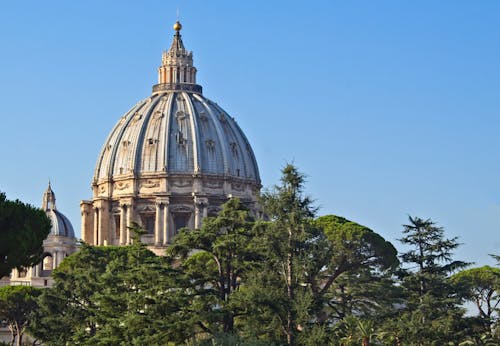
(291,214)
(432,314)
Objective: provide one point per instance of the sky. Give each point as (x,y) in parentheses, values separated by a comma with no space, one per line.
(390,108)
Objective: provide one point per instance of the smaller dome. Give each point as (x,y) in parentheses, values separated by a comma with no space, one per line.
(61,226)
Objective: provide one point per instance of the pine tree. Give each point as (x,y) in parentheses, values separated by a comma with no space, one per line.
(432,314)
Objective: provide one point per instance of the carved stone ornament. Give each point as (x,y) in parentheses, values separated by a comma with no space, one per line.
(222,118)
(237,187)
(121,186)
(203,116)
(181,183)
(137,117)
(214,184)
(181,209)
(158,114)
(102,189)
(180,115)
(147,208)
(148,184)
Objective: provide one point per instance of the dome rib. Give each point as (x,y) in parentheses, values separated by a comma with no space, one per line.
(219,131)
(120,128)
(166,134)
(136,163)
(195,134)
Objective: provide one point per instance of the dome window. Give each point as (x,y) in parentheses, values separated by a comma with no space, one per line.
(210,146)
(234,149)
(179,137)
(180,115)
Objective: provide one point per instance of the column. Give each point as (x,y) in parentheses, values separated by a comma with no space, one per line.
(54,260)
(123,223)
(96,227)
(200,204)
(84,224)
(129,223)
(197,215)
(158,223)
(166,227)
(100,235)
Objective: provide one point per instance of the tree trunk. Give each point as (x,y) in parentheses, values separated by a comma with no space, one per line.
(12,335)
(365,341)
(19,335)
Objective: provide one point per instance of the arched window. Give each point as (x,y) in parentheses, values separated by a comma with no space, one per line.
(48,262)
(22,273)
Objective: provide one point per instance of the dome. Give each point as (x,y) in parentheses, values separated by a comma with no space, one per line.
(61,226)
(174,158)
(177,133)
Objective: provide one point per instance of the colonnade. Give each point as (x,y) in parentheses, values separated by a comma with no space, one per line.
(98,216)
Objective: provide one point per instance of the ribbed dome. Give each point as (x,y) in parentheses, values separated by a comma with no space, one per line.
(61,226)
(177,132)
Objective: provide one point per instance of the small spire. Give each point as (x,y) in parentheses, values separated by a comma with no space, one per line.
(49,199)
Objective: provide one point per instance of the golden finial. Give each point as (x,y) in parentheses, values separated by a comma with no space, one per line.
(177,26)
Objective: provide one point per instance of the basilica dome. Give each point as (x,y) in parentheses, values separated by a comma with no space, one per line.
(172,159)
(176,132)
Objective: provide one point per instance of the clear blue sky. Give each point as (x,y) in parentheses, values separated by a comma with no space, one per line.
(390,107)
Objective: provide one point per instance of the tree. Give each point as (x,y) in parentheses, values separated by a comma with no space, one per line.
(113,296)
(316,272)
(482,287)
(16,305)
(22,231)
(432,310)
(355,275)
(291,214)
(216,260)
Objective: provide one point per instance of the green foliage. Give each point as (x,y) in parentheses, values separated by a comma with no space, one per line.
(112,296)
(355,276)
(316,272)
(482,287)
(432,313)
(215,261)
(289,279)
(17,303)
(22,231)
